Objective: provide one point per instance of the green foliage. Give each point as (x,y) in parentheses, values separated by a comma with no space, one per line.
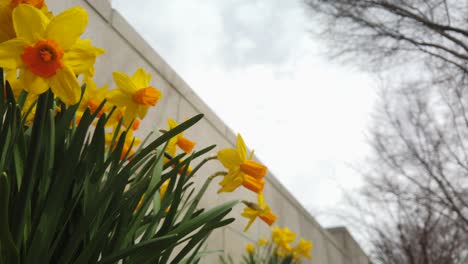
(67,197)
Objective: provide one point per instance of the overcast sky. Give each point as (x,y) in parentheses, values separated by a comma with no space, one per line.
(255,63)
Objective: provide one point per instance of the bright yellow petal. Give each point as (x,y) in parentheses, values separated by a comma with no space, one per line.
(229,158)
(142,110)
(141,79)
(241,147)
(67,27)
(130,114)
(32,83)
(171,123)
(81,57)
(118,98)
(10,53)
(249,224)
(124,82)
(29,23)
(261,200)
(231,181)
(172,147)
(65,86)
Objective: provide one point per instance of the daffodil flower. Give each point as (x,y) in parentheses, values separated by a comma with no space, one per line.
(303,249)
(282,238)
(262,242)
(241,170)
(48,52)
(179,140)
(7,31)
(250,248)
(261,210)
(134,93)
(92,97)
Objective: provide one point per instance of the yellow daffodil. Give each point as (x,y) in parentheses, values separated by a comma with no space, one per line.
(134,93)
(7,31)
(179,140)
(262,242)
(241,170)
(250,248)
(117,115)
(48,52)
(303,249)
(92,97)
(282,238)
(261,210)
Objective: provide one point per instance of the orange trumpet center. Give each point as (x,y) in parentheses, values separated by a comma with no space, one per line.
(253,184)
(253,169)
(36,3)
(268,218)
(147,96)
(43,58)
(185,144)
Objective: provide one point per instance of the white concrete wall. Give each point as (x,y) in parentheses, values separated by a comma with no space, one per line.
(127,51)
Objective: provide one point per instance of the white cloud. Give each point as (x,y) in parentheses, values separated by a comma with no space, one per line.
(255,64)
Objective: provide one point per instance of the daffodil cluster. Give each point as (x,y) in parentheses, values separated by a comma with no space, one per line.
(279,249)
(42,52)
(244,171)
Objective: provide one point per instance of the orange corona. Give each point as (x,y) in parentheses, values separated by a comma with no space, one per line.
(43,58)
(147,96)
(36,3)
(253,169)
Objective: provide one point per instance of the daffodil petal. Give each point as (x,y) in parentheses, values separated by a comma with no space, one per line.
(141,78)
(241,147)
(231,181)
(172,146)
(124,82)
(81,57)
(171,123)
(10,53)
(118,98)
(29,22)
(65,86)
(229,158)
(142,110)
(67,27)
(33,84)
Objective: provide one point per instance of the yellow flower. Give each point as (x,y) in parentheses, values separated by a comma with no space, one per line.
(48,52)
(262,242)
(92,97)
(250,248)
(303,248)
(261,210)
(134,93)
(179,140)
(241,170)
(282,238)
(7,31)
